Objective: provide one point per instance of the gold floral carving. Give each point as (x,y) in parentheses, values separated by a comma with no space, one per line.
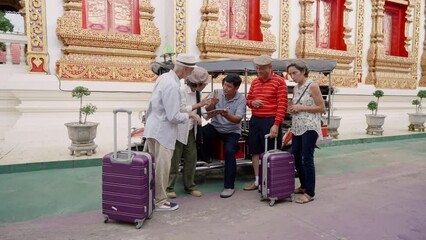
(37,58)
(212,45)
(343,75)
(387,71)
(105,68)
(22,8)
(106,56)
(72,5)
(358,67)
(422,82)
(180,27)
(324,29)
(416,37)
(285,29)
(223,18)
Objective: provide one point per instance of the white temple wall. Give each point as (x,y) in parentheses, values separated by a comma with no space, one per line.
(274,11)
(165,24)
(193,22)
(294,27)
(55,10)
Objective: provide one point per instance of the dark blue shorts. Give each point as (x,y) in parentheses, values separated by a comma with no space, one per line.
(258,128)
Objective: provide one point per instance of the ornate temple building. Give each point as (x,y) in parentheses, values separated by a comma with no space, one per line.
(108,46)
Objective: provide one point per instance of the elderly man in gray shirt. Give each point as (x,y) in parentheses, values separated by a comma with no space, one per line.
(161,128)
(227,108)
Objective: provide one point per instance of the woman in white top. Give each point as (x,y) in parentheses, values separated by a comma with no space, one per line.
(306,110)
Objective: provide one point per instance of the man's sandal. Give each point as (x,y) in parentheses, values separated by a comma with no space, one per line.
(299,191)
(305,198)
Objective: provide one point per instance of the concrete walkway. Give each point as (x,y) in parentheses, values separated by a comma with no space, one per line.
(364,191)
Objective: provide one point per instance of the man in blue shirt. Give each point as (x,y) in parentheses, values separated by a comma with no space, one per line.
(161,128)
(230,106)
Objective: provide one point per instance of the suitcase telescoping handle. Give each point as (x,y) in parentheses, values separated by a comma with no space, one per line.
(116,157)
(266,142)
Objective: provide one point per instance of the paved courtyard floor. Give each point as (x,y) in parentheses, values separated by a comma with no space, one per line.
(364,191)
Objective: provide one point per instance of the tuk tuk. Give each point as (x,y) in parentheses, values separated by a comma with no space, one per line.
(246,68)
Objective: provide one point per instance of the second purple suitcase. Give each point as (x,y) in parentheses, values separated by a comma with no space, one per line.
(127,183)
(276,174)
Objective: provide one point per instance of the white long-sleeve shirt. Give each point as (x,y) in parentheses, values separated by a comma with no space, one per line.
(163,115)
(188,99)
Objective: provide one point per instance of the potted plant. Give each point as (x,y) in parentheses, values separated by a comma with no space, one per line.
(82,133)
(374,120)
(334,121)
(418,118)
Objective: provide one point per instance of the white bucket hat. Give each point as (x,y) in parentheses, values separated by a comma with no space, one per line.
(186,60)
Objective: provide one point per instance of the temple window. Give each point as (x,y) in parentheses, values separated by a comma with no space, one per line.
(240,19)
(329,24)
(120,16)
(394,28)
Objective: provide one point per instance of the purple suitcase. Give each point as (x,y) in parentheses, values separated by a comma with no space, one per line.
(127,183)
(276,173)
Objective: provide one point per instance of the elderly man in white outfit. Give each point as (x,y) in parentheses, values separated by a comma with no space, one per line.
(163,117)
(186,146)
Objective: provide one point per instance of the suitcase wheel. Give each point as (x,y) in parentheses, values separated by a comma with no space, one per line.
(139,223)
(106,218)
(272,203)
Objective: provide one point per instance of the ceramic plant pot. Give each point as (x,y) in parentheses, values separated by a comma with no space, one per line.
(82,137)
(375,123)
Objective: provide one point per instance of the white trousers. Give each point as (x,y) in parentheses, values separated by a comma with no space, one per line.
(162,160)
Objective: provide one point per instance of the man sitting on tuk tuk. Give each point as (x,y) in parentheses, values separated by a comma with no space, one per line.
(226,108)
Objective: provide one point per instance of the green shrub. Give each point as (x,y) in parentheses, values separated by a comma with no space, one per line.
(374,105)
(418,102)
(79,92)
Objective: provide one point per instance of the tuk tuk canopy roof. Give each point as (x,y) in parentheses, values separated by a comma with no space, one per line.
(278,65)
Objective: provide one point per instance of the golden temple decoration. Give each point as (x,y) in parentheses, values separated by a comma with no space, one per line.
(22,11)
(359,40)
(416,38)
(285,29)
(104,68)
(180,26)
(212,45)
(343,75)
(35,18)
(422,82)
(387,71)
(106,56)
(320,78)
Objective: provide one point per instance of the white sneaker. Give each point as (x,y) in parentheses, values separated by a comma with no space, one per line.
(167,206)
(227,192)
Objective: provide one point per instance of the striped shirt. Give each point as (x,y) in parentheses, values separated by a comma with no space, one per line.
(273,94)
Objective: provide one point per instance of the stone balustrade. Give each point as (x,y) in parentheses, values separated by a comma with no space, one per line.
(15,49)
